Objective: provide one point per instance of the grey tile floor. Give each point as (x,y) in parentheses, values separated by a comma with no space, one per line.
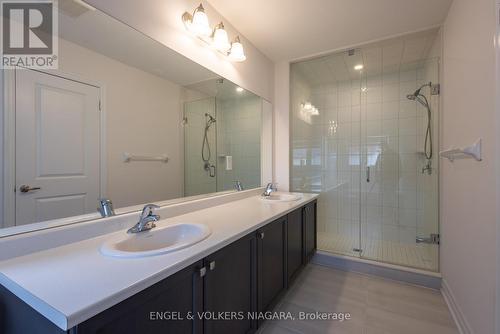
(376,305)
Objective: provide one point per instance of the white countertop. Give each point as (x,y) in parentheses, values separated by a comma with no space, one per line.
(74,282)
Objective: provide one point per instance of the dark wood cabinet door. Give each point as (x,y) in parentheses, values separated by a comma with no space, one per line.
(18,317)
(295,250)
(230,286)
(309,230)
(271,259)
(146,312)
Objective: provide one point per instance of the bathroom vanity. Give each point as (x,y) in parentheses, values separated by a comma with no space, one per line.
(243,268)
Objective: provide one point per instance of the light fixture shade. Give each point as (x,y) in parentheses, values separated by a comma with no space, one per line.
(237,53)
(220,39)
(199,23)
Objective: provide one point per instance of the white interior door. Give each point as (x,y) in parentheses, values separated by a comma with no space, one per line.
(57,147)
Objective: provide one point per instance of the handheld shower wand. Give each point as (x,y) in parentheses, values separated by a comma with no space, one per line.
(206,153)
(420,98)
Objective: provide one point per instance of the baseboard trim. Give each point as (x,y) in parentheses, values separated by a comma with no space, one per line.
(456,313)
(407,275)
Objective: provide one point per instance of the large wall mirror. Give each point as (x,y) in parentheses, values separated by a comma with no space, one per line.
(124,118)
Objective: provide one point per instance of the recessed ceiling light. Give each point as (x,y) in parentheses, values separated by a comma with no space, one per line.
(358,67)
(239,89)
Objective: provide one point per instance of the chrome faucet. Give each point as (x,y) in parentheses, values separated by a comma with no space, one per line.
(238,186)
(146,220)
(269,189)
(106,207)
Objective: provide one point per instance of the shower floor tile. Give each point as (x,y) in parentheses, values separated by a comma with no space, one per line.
(410,255)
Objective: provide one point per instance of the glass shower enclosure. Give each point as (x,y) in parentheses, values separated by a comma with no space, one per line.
(366,140)
(222,138)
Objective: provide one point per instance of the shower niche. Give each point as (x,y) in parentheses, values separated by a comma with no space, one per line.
(364,134)
(222,138)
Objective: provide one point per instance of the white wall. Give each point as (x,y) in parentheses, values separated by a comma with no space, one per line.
(142,117)
(469,198)
(161,20)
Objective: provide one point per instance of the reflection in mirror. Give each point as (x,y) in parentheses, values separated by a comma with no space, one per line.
(123,118)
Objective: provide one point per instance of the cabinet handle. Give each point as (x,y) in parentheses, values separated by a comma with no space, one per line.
(203,271)
(261,235)
(212,265)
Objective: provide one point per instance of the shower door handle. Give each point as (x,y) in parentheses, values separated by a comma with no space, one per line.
(212,171)
(367,173)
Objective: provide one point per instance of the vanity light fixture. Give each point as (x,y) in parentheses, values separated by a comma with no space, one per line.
(358,67)
(220,39)
(197,23)
(309,108)
(236,53)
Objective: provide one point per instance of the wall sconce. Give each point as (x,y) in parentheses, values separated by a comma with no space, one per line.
(220,41)
(197,23)
(309,108)
(237,53)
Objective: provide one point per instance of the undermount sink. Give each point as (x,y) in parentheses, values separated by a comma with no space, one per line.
(282,197)
(156,241)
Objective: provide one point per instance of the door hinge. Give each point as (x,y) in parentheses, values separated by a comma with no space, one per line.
(435,89)
(203,271)
(433,239)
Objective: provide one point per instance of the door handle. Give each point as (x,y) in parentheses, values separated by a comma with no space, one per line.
(25,188)
(367,173)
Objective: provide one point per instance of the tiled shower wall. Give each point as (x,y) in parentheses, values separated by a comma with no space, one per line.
(367,122)
(236,134)
(196,179)
(239,127)
(401,202)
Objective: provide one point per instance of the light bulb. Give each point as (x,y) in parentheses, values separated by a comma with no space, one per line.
(237,53)
(220,39)
(199,22)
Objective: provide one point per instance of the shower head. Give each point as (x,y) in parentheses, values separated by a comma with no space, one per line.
(416,96)
(211,119)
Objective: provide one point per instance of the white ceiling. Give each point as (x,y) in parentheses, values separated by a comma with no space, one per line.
(402,53)
(292,29)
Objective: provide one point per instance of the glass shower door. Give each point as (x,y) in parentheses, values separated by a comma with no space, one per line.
(198,179)
(399,195)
